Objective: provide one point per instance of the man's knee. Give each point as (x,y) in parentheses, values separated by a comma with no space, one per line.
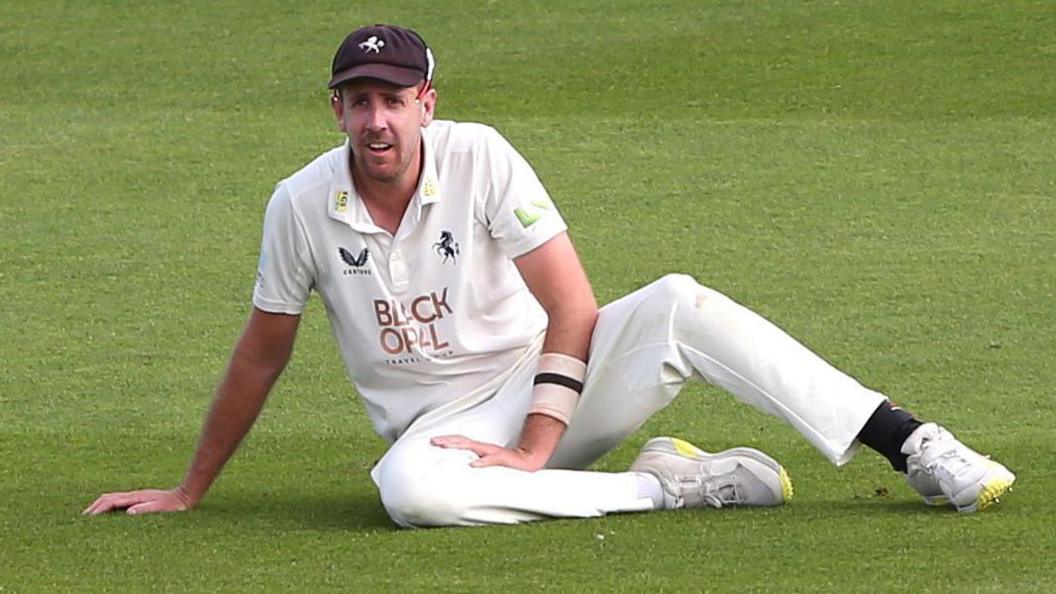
(678,302)
(682,292)
(675,286)
(417,492)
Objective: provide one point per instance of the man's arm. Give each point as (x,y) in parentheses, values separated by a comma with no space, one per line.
(557,279)
(259,357)
(555,276)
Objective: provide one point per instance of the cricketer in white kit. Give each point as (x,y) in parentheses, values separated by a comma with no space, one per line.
(469,328)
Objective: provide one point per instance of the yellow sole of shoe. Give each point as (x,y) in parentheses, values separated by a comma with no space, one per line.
(786,485)
(991,491)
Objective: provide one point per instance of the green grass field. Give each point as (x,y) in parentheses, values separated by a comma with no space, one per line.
(879,178)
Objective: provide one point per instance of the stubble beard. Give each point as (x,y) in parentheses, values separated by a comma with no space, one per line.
(379,173)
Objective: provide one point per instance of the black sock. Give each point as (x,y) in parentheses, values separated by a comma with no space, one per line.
(885,432)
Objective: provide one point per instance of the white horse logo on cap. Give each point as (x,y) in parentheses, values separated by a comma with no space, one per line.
(372,44)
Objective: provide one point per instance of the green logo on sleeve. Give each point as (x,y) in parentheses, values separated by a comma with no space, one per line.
(529,217)
(526,219)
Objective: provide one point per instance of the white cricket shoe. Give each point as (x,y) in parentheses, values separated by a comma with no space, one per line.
(692,477)
(945,471)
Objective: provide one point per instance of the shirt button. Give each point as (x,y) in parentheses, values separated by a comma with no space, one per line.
(398,272)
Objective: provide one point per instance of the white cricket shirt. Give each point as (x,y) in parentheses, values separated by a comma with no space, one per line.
(433,314)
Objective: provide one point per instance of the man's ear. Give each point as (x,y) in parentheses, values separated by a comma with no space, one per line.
(428,102)
(338,106)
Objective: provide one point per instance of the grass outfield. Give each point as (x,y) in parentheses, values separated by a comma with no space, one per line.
(877,177)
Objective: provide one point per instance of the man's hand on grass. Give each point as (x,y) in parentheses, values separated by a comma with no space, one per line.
(143,501)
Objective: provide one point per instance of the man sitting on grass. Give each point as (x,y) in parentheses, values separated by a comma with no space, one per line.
(470,329)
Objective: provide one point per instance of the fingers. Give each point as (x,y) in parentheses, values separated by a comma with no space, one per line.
(112,501)
(155,506)
(492,460)
(507,458)
(450,441)
(92,509)
(464,443)
(139,502)
(489,454)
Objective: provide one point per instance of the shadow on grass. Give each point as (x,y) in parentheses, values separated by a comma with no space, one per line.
(862,506)
(354,512)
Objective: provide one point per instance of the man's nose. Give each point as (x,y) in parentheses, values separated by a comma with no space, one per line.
(376,118)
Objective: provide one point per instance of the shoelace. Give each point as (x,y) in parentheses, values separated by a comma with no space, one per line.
(717,491)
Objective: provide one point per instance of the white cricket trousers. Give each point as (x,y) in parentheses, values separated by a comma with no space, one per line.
(645,347)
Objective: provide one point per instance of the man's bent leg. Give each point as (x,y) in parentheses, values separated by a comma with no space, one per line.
(423,485)
(649,343)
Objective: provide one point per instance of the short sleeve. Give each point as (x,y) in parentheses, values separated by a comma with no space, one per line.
(517,208)
(285,273)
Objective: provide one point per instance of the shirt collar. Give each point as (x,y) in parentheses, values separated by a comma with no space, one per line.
(428,190)
(346,206)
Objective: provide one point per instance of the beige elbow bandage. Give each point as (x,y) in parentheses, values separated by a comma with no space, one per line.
(558,383)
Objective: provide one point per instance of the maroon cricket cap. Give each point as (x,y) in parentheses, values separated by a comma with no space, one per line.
(385,52)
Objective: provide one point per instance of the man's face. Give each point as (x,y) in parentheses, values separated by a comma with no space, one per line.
(383,123)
